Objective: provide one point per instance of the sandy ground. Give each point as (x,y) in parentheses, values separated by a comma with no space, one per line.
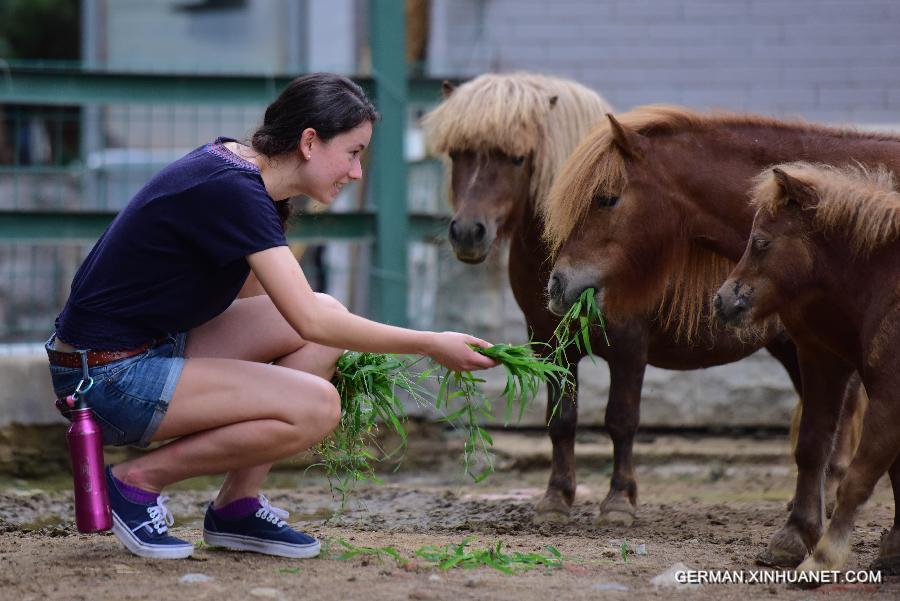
(707,503)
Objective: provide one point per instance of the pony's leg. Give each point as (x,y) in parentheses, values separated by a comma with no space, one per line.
(846,439)
(626,370)
(562,405)
(783,349)
(877,452)
(824,382)
(889,556)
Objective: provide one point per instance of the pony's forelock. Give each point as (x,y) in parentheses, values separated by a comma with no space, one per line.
(861,202)
(512,113)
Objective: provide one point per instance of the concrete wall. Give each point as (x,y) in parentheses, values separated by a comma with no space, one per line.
(826,60)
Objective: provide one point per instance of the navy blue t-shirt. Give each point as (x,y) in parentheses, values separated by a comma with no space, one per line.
(175,257)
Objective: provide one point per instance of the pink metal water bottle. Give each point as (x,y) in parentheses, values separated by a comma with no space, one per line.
(86,451)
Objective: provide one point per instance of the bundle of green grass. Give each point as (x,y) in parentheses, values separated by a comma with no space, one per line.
(369,384)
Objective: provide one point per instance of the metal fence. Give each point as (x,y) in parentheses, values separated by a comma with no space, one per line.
(76,145)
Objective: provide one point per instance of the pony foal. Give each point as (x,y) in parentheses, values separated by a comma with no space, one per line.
(823,255)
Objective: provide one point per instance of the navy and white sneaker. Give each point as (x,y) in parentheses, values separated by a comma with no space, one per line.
(143,528)
(263,531)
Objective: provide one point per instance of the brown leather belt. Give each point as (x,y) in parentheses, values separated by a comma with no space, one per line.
(95,358)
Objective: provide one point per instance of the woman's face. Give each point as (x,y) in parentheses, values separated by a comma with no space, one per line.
(334,163)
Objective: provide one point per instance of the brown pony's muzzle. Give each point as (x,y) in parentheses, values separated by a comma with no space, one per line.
(566,285)
(471,240)
(732,303)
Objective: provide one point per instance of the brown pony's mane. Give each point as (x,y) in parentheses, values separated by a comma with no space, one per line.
(596,167)
(860,202)
(512,113)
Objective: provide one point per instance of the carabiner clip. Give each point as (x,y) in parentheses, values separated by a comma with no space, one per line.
(85,377)
(79,391)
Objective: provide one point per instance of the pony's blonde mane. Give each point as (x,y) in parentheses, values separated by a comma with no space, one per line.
(512,113)
(861,202)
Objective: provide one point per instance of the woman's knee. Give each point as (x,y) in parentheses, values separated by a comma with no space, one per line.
(321,409)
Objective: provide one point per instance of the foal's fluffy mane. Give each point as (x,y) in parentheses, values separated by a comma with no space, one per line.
(861,202)
(512,113)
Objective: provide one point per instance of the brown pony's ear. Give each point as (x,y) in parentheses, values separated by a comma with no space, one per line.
(447,89)
(796,192)
(553,100)
(626,139)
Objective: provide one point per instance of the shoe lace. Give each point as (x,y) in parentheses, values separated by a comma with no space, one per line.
(160,517)
(271,514)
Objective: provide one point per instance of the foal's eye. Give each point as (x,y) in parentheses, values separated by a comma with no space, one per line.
(761,243)
(606,201)
(517,161)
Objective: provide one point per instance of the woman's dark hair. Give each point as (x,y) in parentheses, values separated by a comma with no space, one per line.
(330,104)
(284,209)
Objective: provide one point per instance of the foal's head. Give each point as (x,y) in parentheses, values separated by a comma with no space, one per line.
(810,219)
(506,136)
(778,261)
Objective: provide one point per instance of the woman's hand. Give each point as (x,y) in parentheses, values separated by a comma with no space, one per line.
(452,350)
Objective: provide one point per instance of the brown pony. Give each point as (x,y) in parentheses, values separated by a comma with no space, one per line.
(657,199)
(507,136)
(823,255)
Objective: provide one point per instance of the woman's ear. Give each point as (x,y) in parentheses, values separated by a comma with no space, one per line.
(306,142)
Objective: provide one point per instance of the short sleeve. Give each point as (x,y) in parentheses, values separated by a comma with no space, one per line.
(237,218)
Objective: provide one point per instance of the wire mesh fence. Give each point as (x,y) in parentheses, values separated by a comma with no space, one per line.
(93,158)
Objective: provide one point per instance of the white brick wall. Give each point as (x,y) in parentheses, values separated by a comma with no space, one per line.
(826,60)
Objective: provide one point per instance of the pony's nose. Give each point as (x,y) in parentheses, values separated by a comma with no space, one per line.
(454,231)
(474,234)
(730,311)
(478,232)
(557,285)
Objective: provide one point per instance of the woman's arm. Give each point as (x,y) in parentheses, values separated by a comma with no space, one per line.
(251,287)
(281,276)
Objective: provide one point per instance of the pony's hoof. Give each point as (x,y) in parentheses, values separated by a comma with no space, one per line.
(785,550)
(616,510)
(888,560)
(888,566)
(820,561)
(809,566)
(552,510)
(616,518)
(550,518)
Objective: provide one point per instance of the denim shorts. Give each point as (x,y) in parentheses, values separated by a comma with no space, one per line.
(130,396)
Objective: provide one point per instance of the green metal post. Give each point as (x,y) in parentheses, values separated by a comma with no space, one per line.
(388,164)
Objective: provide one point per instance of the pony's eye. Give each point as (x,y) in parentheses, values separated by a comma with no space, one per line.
(517,161)
(761,243)
(606,201)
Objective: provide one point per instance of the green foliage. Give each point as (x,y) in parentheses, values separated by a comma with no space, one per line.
(525,374)
(493,556)
(367,384)
(461,556)
(585,312)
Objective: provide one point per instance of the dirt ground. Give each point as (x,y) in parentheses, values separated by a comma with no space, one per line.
(709,503)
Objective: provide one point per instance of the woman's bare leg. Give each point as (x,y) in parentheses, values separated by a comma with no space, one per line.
(234,412)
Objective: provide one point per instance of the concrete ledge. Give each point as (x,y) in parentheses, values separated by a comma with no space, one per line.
(26,395)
